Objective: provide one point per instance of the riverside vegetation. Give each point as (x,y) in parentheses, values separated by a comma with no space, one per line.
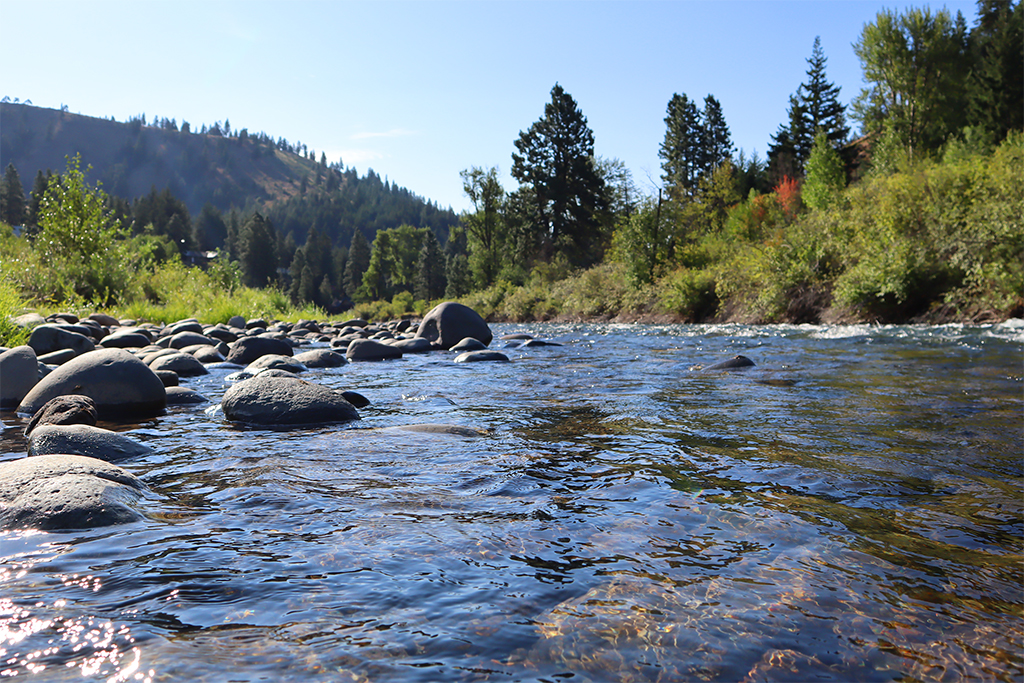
(918,220)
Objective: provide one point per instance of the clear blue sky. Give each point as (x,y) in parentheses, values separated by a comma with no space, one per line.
(421,90)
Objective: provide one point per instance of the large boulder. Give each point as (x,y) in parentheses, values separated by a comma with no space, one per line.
(64,410)
(66,492)
(368,349)
(320,358)
(248,349)
(276,401)
(18,374)
(48,338)
(481,356)
(449,323)
(273,361)
(126,339)
(180,363)
(120,384)
(180,340)
(87,440)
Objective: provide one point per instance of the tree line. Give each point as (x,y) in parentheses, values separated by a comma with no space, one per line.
(933,86)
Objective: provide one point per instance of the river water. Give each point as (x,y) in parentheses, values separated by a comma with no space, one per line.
(850,509)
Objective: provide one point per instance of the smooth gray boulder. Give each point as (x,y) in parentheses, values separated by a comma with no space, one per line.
(104,319)
(320,358)
(449,323)
(180,340)
(120,384)
(236,321)
(178,396)
(126,340)
(279,401)
(29,320)
(274,361)
(18,374)
(87,440)
(66,492)
(204,353)
(49,338)
(57,357)
(370,350)
(479,356)
(64,410)
(181,363)
(248,349)
(469,344)
(414,345)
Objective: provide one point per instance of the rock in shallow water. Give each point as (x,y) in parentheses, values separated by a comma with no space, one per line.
(19,370)
(279,401)
(87,440)
(66,492)
(120,384)
(64,410)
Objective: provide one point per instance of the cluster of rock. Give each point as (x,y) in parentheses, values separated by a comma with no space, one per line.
(75,372)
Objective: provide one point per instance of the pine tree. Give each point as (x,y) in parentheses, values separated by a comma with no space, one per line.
(556,161)
(822,109)
(815,106)
(257,252)
(12,197)
(430,280)
(681,149)
(358,262)
(716,146)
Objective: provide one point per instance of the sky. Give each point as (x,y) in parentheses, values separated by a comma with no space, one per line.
(419,91)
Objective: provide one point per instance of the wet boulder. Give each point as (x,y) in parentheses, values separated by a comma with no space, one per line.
(469,344)
(50,337)
(87,440)
(126,339)
(64,410)
(274,361)
(481,356)
(370,350)
(180,340)
(121,385)
(179,396)
(66,492)
(320,358)
(19,373)
(414,345)
(248,349)
(280,401)
(180,363)
(734,363)
(449,323)
(204,353)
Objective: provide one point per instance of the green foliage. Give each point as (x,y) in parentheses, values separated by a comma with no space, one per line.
(915,64)
(82,253)
(485,226)
(826,175)
(12,197)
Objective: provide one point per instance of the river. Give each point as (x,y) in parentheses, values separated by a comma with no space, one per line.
(850,509)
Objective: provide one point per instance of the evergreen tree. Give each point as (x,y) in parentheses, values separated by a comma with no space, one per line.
(815,106)
(680,151)
(210,231)
(12,197)
(358,262)
(996,86)
(430,281)
(822,109)
(716,141)
(257,252)
(556,162)
(39,186)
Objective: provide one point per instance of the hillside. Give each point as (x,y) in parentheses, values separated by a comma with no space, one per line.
(242,172)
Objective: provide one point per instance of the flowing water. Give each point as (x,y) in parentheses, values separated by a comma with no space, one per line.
(850,509)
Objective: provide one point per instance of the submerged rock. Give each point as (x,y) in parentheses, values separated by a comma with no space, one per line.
(734,363)
(66,492)
(274,401)
(83,439)
(478,356)
(368,349)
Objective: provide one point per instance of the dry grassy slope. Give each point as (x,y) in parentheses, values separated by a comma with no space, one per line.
(130,159)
